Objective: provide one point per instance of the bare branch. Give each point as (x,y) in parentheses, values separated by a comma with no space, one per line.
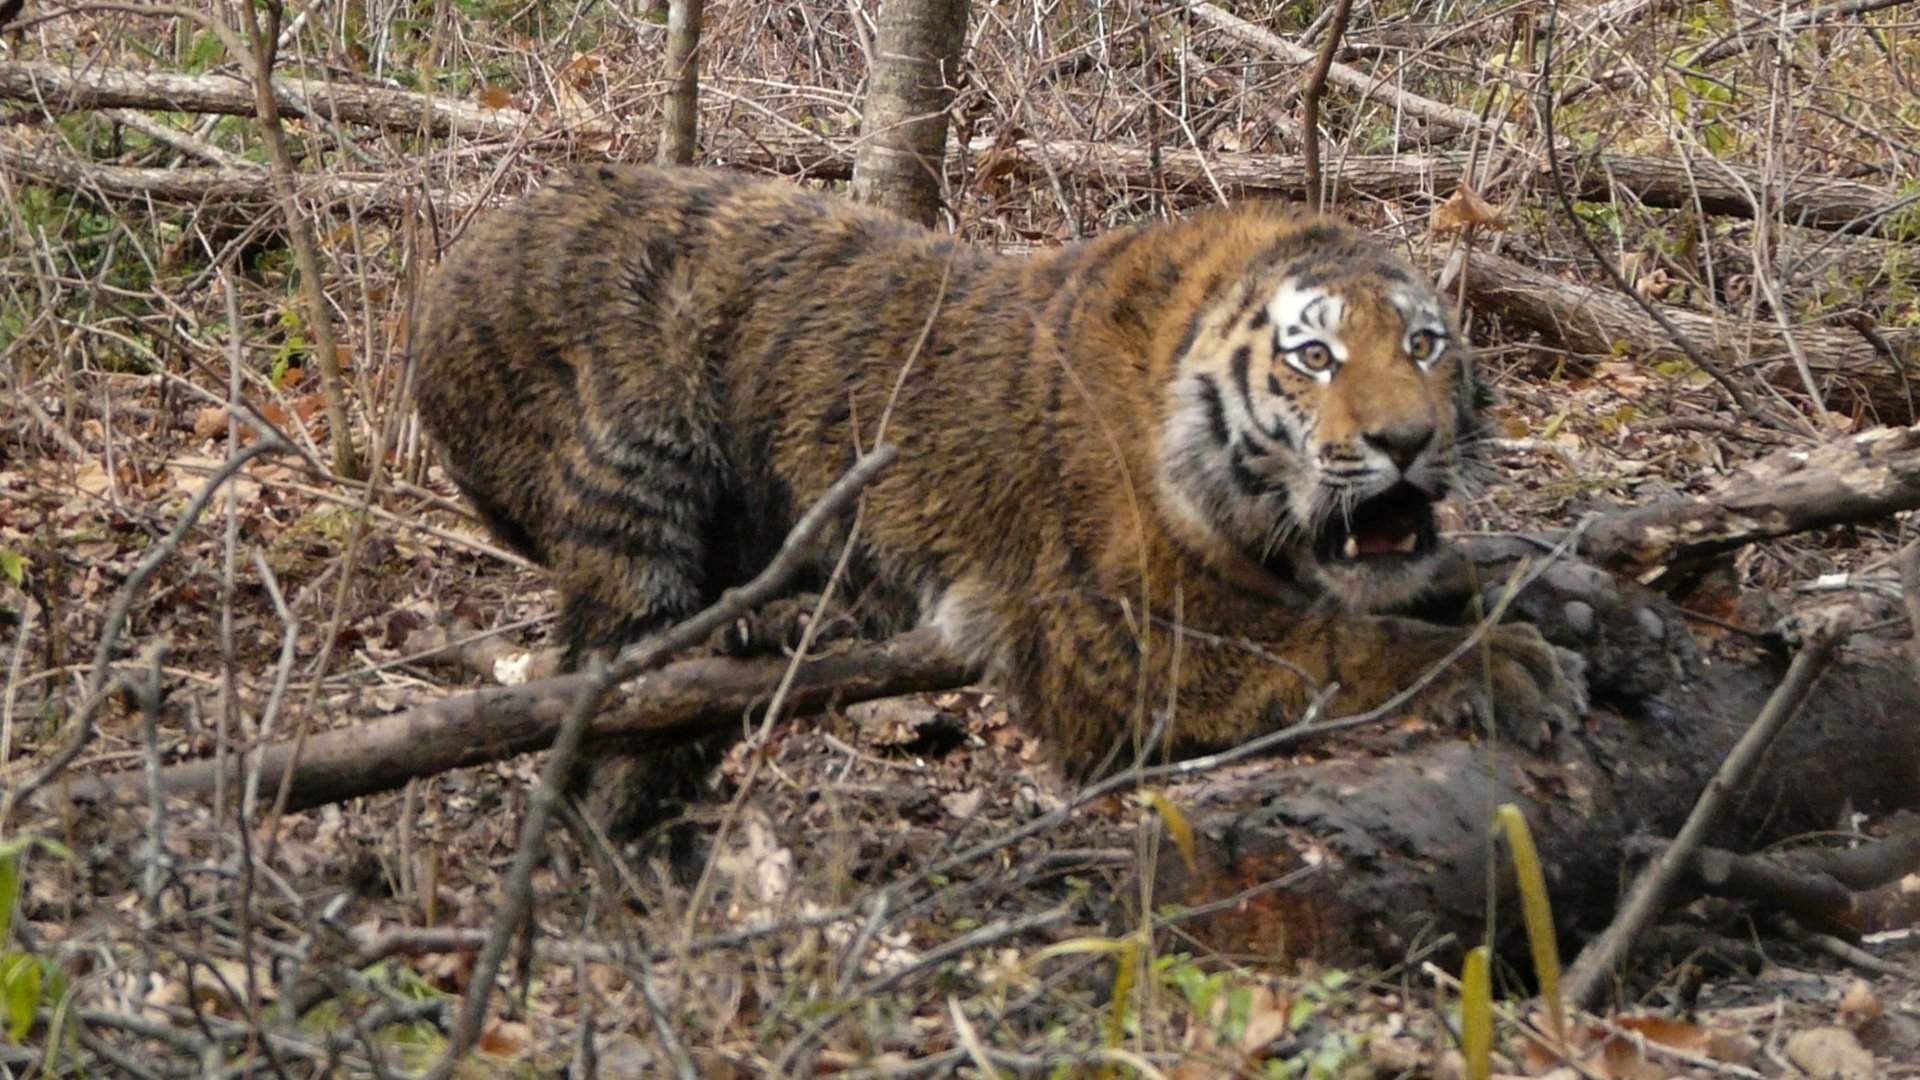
(1310,102)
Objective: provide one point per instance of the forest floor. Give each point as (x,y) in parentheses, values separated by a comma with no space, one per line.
(140,301)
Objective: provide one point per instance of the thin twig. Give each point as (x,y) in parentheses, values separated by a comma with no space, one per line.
(795,552)
(306,257)
(1649,892)
(1310,103)
(114,624)
(1547,106)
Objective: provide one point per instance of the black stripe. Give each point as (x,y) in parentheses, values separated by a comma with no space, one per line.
(633,536)
(1190,333)
(805,320)
(661,495)
(1216,410)
(1242,360)
(1248,481)
(616,453)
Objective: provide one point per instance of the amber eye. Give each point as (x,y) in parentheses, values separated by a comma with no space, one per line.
(1314,357)
(1424,346)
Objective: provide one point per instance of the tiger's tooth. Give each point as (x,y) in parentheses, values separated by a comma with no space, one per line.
(1407,545)
(1351,549)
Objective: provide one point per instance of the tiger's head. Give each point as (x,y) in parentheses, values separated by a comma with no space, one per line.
(1316,413)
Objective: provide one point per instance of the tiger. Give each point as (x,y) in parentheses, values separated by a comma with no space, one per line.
(1182,475)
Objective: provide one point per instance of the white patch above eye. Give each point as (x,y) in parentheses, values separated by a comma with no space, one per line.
(1302,317)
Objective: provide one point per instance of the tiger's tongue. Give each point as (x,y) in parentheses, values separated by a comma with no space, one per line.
(1382,541)
(1389,534)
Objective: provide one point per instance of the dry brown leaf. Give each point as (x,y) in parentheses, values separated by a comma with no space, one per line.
(583,67)
(1859,1006)
(1830,1053)
(1465,209)
(92,478)
(505,1038)
(308,406)
(1677,1034)
(1214,1056)
(496,97)
(210,421)
(963,804)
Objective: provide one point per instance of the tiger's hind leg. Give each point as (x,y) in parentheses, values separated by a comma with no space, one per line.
(628,546)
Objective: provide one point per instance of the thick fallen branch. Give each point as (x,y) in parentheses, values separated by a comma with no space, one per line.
(1595,319)
(1658,182)
(61,89)
(671,704)
(387,193)
(1814,884)
(1349,77)
(1866,477)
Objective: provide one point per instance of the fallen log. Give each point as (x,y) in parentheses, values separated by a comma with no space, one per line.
(387,193)
(671,704)
(1713,186)
(1869,476)
(1851,369)
(60,88)
(1394,826)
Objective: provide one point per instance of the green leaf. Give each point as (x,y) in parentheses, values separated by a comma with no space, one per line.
(21,986)
(13,566)
(1536,908)
(205,52)
(1476,1014)
(9,890)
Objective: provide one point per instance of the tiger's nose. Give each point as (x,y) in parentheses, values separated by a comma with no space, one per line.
(1402,442)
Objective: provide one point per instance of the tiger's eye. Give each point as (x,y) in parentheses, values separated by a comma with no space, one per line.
(1423,346)
(1314,356)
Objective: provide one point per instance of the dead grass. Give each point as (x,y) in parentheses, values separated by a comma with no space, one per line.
(141,337)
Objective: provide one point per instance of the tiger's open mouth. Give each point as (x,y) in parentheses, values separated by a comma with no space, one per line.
(1395,524)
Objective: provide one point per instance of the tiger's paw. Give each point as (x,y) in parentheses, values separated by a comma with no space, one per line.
(1515,683)
(779,627)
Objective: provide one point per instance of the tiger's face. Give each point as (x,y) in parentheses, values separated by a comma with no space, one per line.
(1315,419)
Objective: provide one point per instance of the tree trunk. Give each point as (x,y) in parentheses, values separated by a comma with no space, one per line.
(903,131)
(678,141)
